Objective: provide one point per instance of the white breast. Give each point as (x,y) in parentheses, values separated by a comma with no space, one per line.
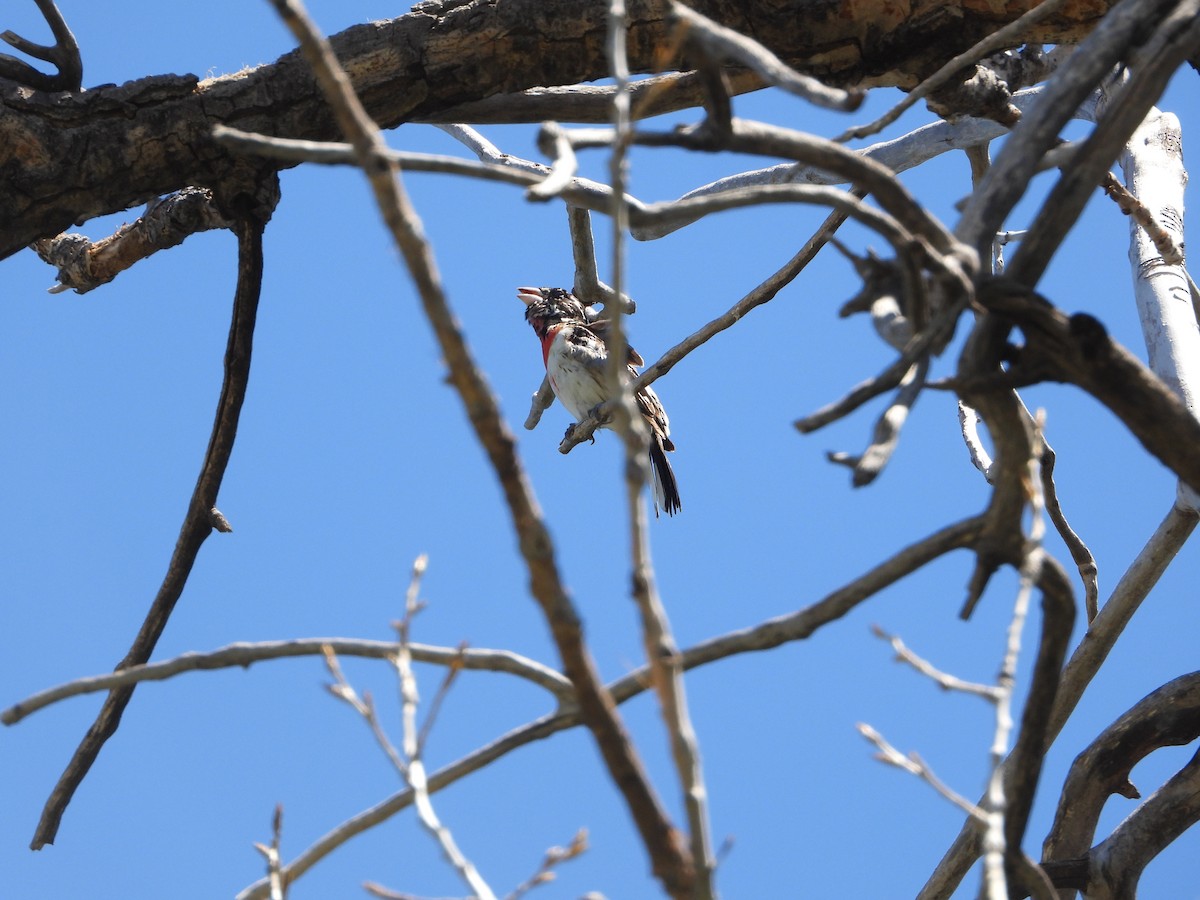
(576,374)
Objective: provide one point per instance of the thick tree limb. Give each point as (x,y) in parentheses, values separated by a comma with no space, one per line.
(1168,717)
(72,158)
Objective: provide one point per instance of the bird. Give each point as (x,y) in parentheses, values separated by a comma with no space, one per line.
(575,352)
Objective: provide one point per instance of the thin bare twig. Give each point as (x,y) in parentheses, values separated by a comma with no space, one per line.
(270,852)
(653,96)
(342,690)
(886,435)
(554,857)
(914,765)
(943,680)
(414,766)
(995,804)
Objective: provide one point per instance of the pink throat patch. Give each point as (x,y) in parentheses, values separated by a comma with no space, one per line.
(551,334)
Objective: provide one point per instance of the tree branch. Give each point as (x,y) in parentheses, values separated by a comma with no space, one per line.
(663,844)
(251,217)
(764,636)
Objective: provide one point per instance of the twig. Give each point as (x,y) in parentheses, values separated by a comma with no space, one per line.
(414,767)
(197,524)
(661,839)
(652,96)
(914,765)
(243,655)
(998,40)
(64,54)
(274,861)
(761,294)
(995,805)
(1085,562)
(944,680)
(342,690)
(554,857)
(435,705)
(865,391)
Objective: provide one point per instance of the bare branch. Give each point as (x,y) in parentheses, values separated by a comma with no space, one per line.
(1039,129)
(1170,716)
(1168,812)
(914,765)
(886,436)
(83,265)
(661,839)
(270,852)
(943,680)
(197,524)
(1174,39)
(244,655)
(64,54)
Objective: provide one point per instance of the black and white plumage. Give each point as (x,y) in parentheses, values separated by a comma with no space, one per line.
(575,351)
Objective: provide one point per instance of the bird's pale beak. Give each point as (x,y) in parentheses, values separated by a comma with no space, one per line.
(529,295)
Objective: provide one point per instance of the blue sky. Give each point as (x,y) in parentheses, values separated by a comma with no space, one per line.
(354,456)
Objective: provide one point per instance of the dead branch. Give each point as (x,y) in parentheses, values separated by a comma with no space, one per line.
(64,54)
(662,841)
(252,215)
(83,265)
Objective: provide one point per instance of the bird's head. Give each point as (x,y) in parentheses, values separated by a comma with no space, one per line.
(546,307)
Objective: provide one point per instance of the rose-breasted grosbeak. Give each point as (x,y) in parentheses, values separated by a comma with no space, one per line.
(575,352)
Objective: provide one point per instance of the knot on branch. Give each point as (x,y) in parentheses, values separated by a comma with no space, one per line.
(984,94)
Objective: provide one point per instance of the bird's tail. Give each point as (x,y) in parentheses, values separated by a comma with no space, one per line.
(666,488)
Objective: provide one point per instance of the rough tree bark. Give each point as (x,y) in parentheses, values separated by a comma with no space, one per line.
(123,145)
